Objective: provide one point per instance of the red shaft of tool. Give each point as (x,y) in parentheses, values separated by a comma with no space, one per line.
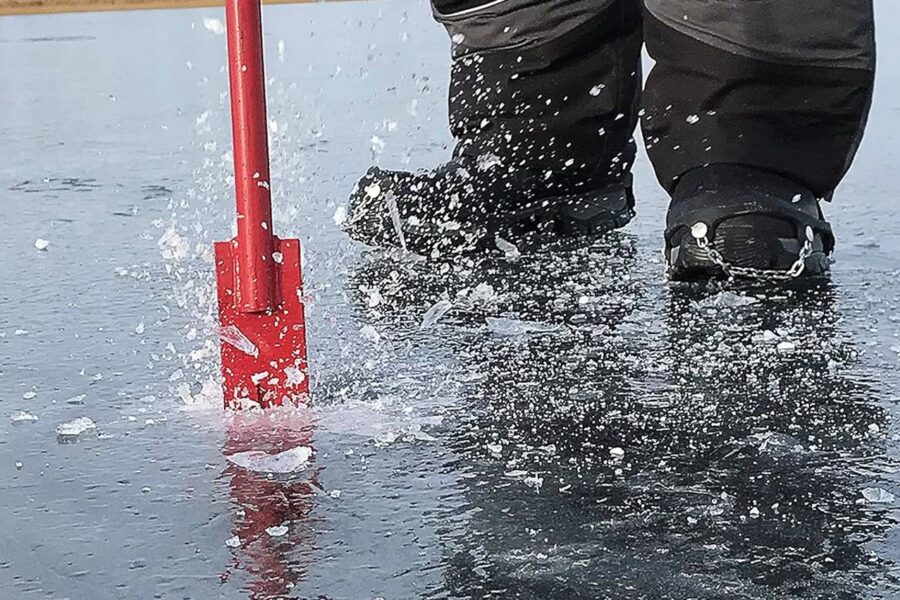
(256,285)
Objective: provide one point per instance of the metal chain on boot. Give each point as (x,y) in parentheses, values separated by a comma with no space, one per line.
(699,232)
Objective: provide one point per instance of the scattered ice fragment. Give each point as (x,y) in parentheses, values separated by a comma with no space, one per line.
(495,449)
(373,190)
(754,513)
(434,313)
(370,333)
(294,375)
(340,215)
(515,473)
(140,328)
(281,50)
(22,417)
(277,531)
(488,161)
(233,542)
(765,337)
(693,119)
(20,332)
(173,247)
(234,336)
(79,399)
(289,461)
(617,453)
(41,244)
(510,251)
(214,25)
(28,395)
(377,146)
(335,494)
(145,489)
(533,481)
(386,438)
(786,347)
(727,300)
(877,495)
(514,327)
(75,427)
(595,91)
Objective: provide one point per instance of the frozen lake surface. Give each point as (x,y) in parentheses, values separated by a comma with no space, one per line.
(571,427)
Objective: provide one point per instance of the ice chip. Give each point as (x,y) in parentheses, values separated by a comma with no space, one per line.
(534,482)
(340,215)
(75,427)
(434,313)
(786,347)
(233,542)
(727,300)
(513,327)
(214,25)
(765,337)
(289,461)
(510,251)
(370,333)
(277,531)
(876,495)
(41,244)
(140,328)
(234,336)
(22,417)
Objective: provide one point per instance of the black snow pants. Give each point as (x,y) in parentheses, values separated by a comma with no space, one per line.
(783,85)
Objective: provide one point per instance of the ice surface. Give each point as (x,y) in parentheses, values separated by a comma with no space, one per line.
(76,427)
(289,461)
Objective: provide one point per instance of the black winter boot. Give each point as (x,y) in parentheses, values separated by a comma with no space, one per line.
(468,203)
(734,221)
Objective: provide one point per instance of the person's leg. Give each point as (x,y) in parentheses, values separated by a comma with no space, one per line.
(543,104)
(779,91)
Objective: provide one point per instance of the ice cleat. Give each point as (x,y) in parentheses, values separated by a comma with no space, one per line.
(734,221)
(467,203)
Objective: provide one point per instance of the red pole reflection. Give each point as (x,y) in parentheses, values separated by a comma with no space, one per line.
(262,501)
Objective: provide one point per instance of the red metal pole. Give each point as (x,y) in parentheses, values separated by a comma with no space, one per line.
(256,281)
